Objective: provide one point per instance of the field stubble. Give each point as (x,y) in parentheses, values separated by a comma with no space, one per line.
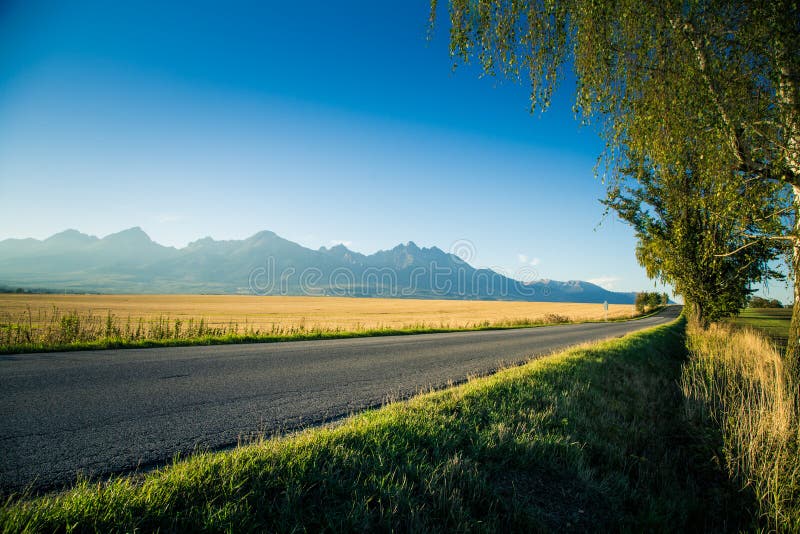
(48,321)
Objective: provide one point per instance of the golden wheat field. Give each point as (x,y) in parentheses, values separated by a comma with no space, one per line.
(267,313)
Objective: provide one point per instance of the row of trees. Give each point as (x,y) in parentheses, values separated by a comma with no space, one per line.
(699,104)
(647,300)
(760,302)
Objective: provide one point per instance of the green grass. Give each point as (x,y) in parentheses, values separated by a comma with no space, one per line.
(774,322)
(590,439)
(59,331)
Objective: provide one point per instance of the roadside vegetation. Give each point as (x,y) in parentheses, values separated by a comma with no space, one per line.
(774,322)
(650,300)
(737,380)
(55,330)
(593,438)
(698,105)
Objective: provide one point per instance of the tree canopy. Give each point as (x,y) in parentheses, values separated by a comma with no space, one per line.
(698,104)
(730,69)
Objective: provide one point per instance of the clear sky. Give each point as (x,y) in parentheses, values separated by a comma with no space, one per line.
(322,121)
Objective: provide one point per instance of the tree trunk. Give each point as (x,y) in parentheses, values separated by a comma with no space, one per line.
(793,346)
(697,315)
(788,96)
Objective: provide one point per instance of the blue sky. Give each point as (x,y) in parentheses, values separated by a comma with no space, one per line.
(322,121)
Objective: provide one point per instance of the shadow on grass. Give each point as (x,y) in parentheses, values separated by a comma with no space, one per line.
(594,439)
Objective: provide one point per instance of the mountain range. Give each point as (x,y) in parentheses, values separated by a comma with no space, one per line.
(266,264)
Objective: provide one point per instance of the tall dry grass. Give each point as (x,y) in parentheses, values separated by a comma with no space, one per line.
(54,329)
(738,380)
(58,327)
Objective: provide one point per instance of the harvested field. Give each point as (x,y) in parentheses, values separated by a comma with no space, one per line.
(270,313)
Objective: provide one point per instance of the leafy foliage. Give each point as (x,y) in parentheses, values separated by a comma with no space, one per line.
(698,104)
(760,302)
(686,224)
(647,300)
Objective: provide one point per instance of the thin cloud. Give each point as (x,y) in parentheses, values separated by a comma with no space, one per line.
(606,282)
(334,242)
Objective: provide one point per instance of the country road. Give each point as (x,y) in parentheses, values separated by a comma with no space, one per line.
(110,411)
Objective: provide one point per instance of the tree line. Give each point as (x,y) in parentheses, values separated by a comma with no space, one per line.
(649,300)
(761,302)
(699,105)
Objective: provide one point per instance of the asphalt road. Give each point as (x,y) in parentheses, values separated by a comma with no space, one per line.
(110,411)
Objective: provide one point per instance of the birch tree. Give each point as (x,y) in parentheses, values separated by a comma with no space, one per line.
(640,66)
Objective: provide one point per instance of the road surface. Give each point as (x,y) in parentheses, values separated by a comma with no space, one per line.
(112,411)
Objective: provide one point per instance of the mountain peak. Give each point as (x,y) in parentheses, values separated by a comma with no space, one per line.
(409,246)
(134,234)
(70,236)
(207,240)
(263,234)
(129,261)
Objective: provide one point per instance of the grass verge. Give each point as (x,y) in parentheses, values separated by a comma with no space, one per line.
(57,331)
(736,381)
(591,439)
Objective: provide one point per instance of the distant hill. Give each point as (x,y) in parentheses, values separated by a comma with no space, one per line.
(266,264)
